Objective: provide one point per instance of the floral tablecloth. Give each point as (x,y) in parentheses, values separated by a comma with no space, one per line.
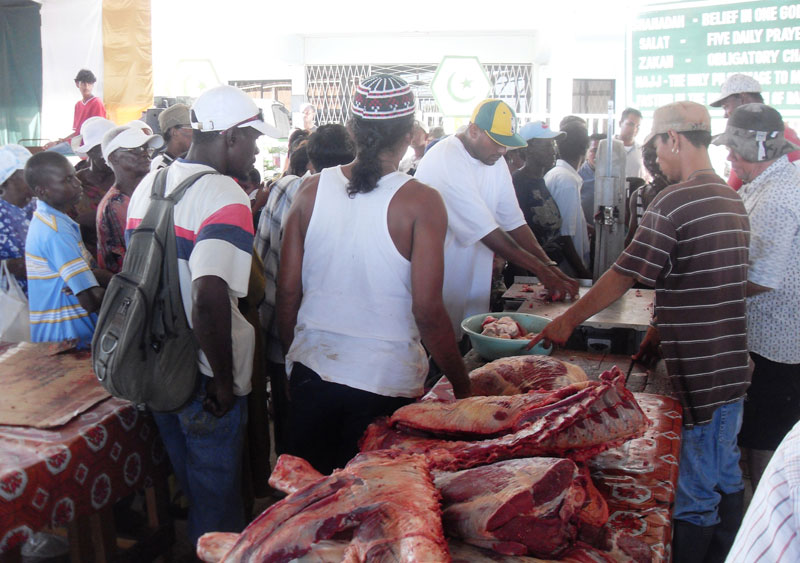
(638,479)
(49,477)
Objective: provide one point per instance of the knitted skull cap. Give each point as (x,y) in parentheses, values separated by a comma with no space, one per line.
(383,96)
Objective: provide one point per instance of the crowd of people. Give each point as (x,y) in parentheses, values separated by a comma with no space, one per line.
(343,284)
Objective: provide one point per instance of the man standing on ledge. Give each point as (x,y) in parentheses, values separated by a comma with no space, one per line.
(692,246)
(483,216)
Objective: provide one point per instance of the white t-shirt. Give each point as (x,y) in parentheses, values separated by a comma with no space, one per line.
(633,161)
(214,235)
(479,199)
(564,184)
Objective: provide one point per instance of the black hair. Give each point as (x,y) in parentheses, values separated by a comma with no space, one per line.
(40,164)
(330,145)
(204,137)
(254,176)
(373,136)
(649,159)
(699,139)
(167,135)
(295,137)
(298,162)
(85,75)
(630,111)
(571,119)
(576,142)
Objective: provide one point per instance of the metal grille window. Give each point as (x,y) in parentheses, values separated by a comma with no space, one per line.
(330,88)
(591,96)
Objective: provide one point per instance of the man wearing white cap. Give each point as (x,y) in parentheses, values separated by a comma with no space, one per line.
(126,150)
(16,209)
(483,216)
(692,246)
(214,232)
(95,177)
(771,193)
(741,89)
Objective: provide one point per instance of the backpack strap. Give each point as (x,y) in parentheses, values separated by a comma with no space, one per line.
(160,185)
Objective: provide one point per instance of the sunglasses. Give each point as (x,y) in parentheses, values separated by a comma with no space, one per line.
(144,149)
(257,117)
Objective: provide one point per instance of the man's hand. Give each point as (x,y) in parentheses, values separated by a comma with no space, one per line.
(219,397)
(558,285)
(557,331)
(649,351)
(461,389)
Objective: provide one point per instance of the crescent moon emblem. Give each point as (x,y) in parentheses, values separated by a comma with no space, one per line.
(452,94)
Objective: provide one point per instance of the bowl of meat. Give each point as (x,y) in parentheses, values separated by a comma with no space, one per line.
(498,335)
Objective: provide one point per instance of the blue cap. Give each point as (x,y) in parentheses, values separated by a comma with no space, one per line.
(540,130)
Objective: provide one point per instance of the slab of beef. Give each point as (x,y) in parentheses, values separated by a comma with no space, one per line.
(212,547)
(512,376)
(580,553)
(517,507)
(292,473)
(577,421)
(385,503)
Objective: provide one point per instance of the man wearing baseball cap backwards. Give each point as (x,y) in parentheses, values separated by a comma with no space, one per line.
(741,89)
(126,150)
(360,285)
(483,216)
(771,193)
(214,231)
(692,246)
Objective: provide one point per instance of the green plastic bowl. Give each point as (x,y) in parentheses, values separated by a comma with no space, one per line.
(492,348)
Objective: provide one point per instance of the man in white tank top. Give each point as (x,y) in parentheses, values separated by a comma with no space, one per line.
(360,286)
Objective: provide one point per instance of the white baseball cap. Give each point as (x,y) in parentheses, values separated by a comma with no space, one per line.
(127,137)
(92,132)
(737,84)
(223,107)
(12,158)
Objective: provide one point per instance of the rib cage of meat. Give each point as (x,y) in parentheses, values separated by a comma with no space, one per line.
(387,501)
(512,376)
(577,421)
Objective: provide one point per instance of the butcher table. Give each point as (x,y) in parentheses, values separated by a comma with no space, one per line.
(637,479)
(56,473)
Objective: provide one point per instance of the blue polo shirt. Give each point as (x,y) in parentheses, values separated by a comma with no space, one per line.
(58,267)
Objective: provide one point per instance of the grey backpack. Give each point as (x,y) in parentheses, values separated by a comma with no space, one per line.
(143,349)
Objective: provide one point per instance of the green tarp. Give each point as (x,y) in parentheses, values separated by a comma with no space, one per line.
(20,71)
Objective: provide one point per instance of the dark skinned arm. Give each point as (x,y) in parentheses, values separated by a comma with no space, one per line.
(103,277)
(755,289)
(527,240)
(571,255)
(427,274)
(17,267)
(91,299)
(501,243)
(211,320)
(290,271)
(610,287)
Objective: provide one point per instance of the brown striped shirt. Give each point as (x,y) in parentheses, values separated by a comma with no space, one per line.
(692,246)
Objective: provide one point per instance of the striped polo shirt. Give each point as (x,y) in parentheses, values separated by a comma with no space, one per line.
(692,246)
(58,266)
(214,236)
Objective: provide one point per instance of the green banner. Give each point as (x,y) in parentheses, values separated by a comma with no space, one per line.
(686,50)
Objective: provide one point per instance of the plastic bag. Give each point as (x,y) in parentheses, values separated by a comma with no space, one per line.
(15,318)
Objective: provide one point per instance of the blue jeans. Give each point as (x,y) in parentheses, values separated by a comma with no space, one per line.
(709,466)
(206,455)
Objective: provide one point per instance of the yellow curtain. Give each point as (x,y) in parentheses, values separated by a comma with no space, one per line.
(127,59)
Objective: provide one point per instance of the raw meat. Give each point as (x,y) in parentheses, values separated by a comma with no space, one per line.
(516,507)
(212,547)
(292,473)
(387,501)
(578,421)
(504,327)
(580,553)
(512,376)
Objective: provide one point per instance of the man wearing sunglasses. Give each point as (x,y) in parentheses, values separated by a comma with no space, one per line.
(126,150)
(214,232)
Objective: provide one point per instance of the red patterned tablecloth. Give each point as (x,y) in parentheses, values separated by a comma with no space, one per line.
(49,477)
(638,479)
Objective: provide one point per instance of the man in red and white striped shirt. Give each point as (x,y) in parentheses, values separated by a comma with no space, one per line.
(770,531)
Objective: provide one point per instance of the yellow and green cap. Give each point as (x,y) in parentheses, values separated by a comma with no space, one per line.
(499,121)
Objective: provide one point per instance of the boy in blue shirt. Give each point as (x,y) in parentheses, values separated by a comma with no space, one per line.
(64,294)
